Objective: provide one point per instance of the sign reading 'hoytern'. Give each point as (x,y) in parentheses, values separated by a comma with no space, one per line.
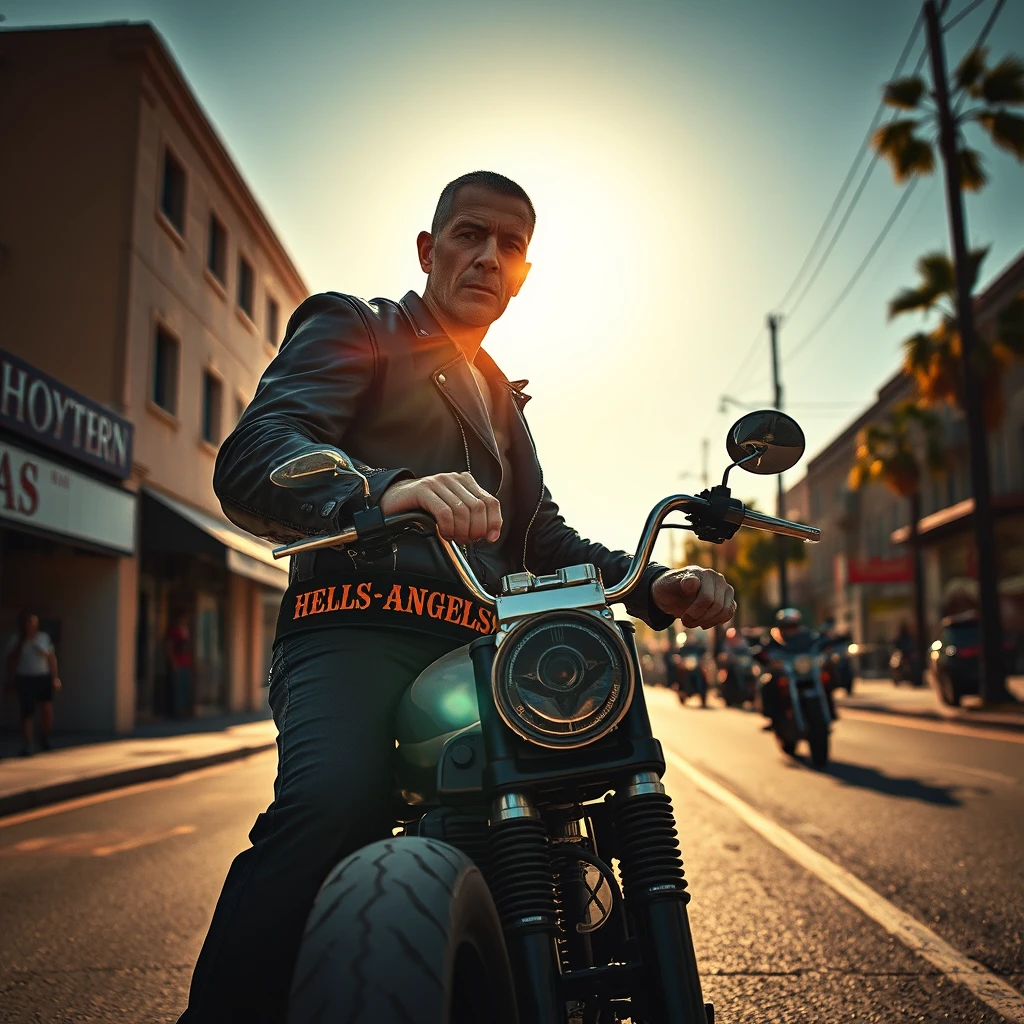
(35,405)
(38,493)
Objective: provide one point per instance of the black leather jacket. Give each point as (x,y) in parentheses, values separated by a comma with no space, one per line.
(382,382)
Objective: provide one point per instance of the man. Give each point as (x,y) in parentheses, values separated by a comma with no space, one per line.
(404,389)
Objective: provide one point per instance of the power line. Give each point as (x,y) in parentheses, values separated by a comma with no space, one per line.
(988,24)
(854,167)
(745,361)
(963,14)
(841,298)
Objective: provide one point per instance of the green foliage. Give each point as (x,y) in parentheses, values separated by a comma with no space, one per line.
(1006,130)
(907,153)
(938,283)
(889,451)
(905,93)
(970,69)
(1005,82)
(972,176)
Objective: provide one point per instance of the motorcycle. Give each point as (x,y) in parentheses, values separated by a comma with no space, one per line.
(802,682)
(526,766)
(688,665)
(736,673)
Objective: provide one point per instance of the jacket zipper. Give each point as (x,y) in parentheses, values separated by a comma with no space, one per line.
(540,471)
(469,467)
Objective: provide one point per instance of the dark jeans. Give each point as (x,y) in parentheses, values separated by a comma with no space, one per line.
(334,694)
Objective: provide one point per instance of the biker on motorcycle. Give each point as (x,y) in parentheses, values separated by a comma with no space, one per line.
(405,390)
(789,634)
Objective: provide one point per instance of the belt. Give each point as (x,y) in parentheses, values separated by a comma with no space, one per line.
(407,600)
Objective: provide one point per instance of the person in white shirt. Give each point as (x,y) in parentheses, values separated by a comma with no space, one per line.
(32,665)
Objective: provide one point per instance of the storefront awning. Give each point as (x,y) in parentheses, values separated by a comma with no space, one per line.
(956,518)
(242,554)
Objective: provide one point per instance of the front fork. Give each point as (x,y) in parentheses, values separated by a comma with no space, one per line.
(654,889)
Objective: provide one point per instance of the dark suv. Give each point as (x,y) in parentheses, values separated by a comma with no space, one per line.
(956,658)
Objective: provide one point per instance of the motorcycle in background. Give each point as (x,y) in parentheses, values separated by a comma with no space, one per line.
(526,767)
(688,664)
(796,693)
(736,670)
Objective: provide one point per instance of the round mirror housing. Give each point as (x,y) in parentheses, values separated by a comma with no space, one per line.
(765,442)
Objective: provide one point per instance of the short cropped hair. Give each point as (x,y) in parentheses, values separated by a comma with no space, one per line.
(488,179)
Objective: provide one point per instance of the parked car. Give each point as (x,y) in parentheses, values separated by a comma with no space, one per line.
(954,671)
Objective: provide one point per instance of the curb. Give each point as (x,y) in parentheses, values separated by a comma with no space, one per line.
(1015,724)
(28,799)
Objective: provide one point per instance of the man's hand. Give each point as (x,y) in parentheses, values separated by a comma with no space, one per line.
(463,509)
(700,597)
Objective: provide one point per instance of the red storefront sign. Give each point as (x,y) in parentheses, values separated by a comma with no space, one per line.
(880,570)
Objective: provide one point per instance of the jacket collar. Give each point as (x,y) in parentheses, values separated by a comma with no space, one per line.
(427,328)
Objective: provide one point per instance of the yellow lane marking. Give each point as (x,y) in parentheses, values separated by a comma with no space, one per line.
(989,988)
(92,844)
(926,725)
(138,787)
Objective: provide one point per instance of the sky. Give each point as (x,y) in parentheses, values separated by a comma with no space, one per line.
(681,157)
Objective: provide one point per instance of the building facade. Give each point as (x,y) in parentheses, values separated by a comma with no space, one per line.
(861,573)
(143,290)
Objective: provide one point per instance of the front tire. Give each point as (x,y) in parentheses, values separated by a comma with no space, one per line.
(414,902)
(817,735)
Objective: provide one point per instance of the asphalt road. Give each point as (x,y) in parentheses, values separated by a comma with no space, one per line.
(104,904)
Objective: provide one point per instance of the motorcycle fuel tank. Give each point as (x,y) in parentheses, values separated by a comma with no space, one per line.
(439,704)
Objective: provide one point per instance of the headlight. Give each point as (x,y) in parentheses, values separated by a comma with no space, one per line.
(562,680)
(690,662)
(803,664)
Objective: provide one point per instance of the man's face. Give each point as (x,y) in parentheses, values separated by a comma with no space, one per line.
(478,260)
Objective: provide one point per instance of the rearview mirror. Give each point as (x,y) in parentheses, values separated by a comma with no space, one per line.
(765,442)
(323,462)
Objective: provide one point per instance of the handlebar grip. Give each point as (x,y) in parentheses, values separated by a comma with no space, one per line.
(770,524)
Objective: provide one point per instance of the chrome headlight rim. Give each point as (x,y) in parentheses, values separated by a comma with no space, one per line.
(603,723)
(804,664)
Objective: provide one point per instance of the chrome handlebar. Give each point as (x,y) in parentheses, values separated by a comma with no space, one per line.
(642,558)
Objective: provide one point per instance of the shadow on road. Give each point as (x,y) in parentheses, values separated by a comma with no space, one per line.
(893,785)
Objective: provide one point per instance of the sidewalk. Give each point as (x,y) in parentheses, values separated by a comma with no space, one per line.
(881,695)
(82,765)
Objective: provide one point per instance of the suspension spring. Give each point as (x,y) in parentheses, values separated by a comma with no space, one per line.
(649,859)
(520,875)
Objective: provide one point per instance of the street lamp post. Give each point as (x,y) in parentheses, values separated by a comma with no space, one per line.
(773,325)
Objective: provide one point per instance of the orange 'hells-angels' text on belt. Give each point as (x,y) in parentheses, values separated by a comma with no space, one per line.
(406,600)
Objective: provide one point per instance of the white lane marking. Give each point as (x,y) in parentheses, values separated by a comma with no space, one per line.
(923,941)
(139,787)
(980,732)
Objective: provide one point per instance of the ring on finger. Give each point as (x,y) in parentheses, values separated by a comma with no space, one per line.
(459,504)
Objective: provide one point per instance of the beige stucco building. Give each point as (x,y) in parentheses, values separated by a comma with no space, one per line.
(138,278)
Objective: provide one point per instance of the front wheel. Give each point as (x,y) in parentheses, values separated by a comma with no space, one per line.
(418,903)
(817,735)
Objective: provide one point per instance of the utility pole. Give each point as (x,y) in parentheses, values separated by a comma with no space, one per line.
(773,325)
(993,684)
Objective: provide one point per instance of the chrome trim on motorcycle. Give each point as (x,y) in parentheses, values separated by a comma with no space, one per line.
(641,783)
(513,805)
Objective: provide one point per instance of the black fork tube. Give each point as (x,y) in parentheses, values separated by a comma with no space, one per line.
(520,872)
(654,888)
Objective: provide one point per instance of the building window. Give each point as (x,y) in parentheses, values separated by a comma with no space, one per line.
(273,318)
(246,287)
(172,194)
(165,370)
(212,390)
(217,250)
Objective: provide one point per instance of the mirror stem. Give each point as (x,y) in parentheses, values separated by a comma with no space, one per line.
(756,454)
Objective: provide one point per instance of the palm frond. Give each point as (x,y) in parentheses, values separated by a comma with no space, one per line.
(972,175)
(970,69)
(918,350)
(1005,82)
(938,275)
(1006,129)
(975,259)
(905,93)
(907,154)
(911,299)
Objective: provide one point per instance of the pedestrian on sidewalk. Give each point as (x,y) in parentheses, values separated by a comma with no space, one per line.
(178,649)
(32,672)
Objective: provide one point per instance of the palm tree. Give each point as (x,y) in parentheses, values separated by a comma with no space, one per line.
(992,90)
(933,358)
(889,452)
